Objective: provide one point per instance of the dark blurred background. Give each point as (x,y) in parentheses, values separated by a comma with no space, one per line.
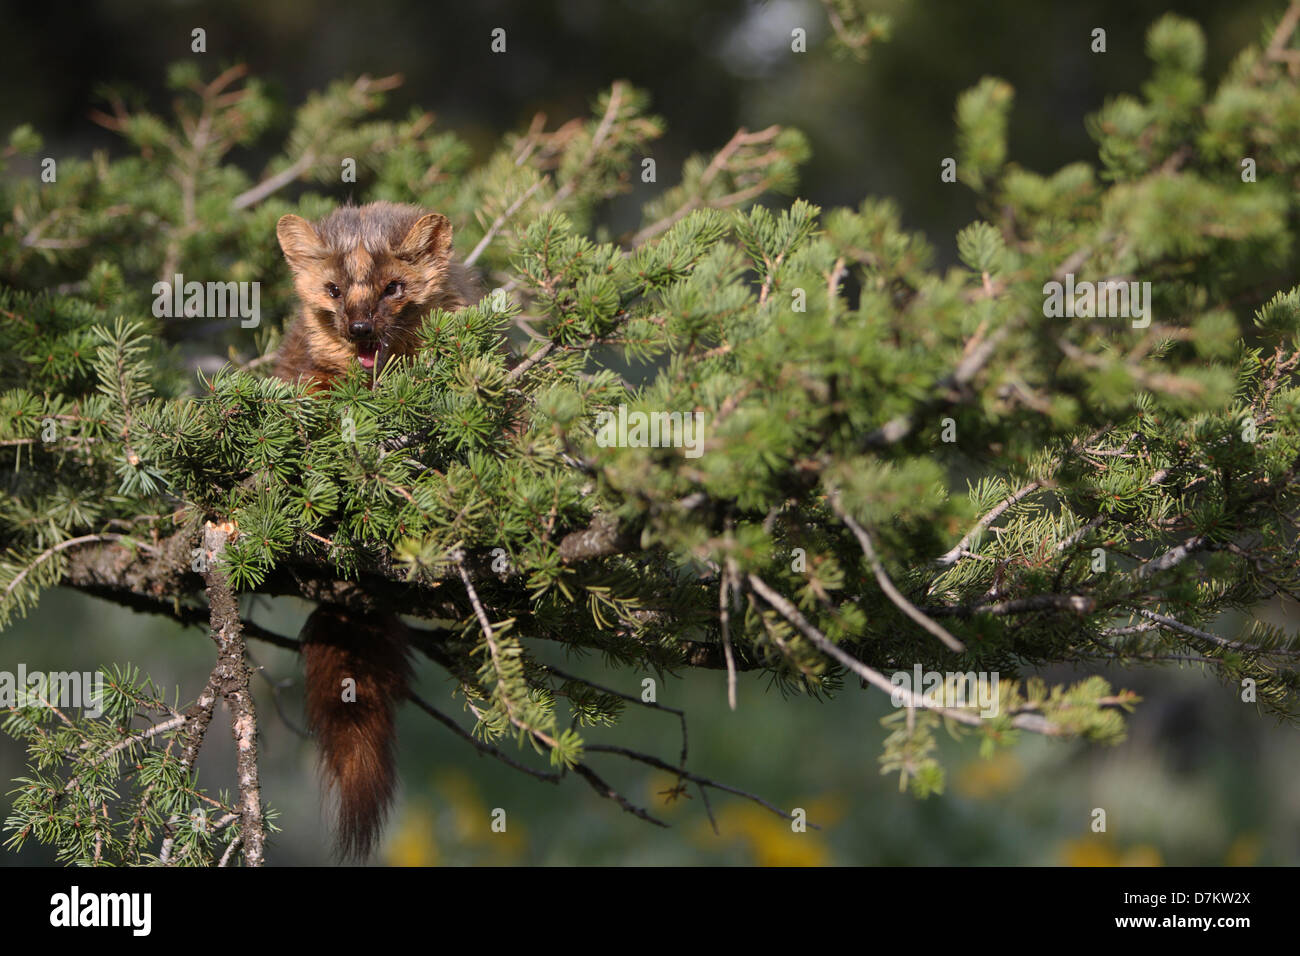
(1203,778)
(879,128)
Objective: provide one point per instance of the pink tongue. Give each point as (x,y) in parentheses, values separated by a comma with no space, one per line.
(366,355)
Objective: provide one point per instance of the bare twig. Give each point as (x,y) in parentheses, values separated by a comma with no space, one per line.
(955,553)
(500,221)
(481,746)
(598,784)
(652,705)
(721,160)
(540,353)
(198,717)
(1173,557)
(875,678)
(284,177)
(616,94)
(654,761)
(1176,625)
(724,619)
(886,585)
(225,857)
(1076,603)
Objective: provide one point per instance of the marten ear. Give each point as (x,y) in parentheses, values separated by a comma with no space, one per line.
(428,239)
(298,240)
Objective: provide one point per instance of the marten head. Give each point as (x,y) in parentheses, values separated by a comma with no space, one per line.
(367,276)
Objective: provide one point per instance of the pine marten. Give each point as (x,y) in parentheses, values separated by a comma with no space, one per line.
(366,276)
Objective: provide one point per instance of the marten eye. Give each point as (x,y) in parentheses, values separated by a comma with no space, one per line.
(333,290)
(394,288)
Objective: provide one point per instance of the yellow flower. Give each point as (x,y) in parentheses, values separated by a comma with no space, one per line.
(770,840)
(1100,851)
(984,779)
(413,842)
(1244,851)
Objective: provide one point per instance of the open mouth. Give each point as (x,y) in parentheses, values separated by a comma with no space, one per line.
(368,354)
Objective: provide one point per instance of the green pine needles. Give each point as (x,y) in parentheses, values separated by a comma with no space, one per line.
(899,466)
(119,788)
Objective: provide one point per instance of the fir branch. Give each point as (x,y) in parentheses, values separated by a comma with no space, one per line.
(952,555)
(232,674)
(598,784)
(630,698)
(65,545)
(882,577)
(482,746)
(874,677)
(500,221)
(702,782)
(636,552)
(742,141)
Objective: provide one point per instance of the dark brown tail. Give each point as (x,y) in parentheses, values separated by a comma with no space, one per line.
(357,674)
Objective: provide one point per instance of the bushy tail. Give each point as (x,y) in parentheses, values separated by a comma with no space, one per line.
(353,720)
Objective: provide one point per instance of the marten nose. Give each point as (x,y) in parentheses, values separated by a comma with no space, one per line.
(361,329)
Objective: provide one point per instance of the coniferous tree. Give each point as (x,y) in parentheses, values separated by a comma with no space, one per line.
(965,470)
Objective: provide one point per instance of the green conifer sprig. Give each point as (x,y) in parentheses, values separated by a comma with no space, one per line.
(103,788)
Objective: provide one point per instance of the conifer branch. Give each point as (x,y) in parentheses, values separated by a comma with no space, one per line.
(952,555)
(703,782)
(738,153)
(198,717)
(356,495)
(500,221)
(598,784)
(630,698)
(882,578)
(232,675)
(481,746)
(947,391)
(1022,720)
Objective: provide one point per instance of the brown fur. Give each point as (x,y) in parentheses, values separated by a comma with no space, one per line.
(356,738)
(361,250)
